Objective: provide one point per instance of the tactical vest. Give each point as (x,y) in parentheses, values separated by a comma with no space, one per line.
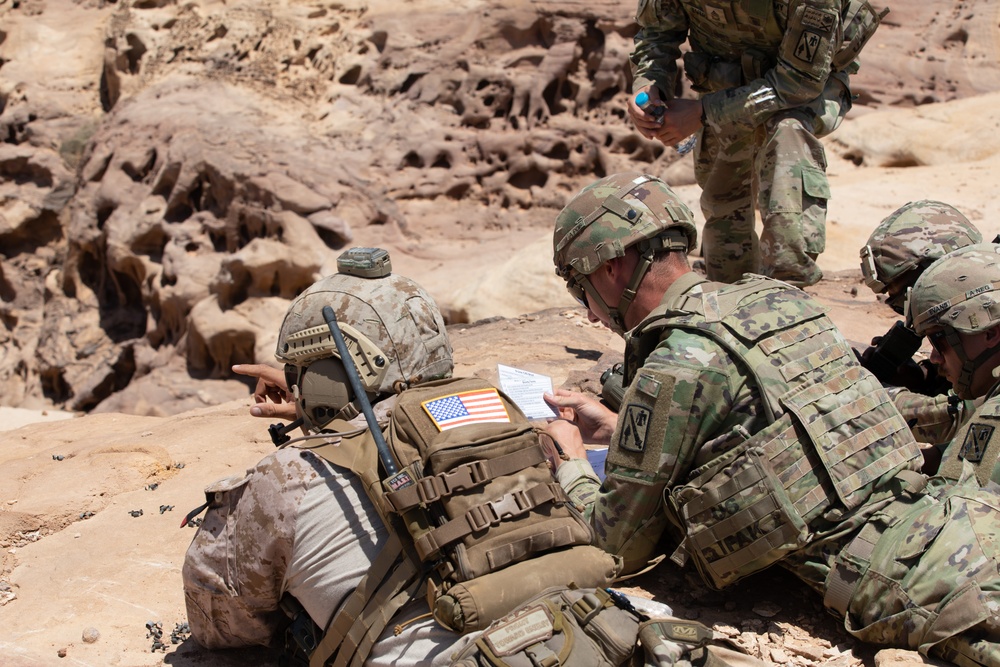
(833,438)
(478,522)
(733,43)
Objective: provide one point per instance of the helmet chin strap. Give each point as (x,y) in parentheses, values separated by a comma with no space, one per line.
(616,315)
(969,366)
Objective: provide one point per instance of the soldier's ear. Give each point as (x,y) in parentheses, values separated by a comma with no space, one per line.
(993,336)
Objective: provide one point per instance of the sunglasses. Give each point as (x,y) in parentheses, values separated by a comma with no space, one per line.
(576,290)
(937,340)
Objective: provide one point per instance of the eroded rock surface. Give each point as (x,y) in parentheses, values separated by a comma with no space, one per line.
(172,173)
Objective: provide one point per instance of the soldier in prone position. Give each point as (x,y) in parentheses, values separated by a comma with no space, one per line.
(295,535)
(898,250)
(956,304)
(750,428)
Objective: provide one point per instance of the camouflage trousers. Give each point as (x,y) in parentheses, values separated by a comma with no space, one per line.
(783,161)
(926,575)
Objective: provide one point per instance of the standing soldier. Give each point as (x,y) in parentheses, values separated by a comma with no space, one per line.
(750,427)
(773,77)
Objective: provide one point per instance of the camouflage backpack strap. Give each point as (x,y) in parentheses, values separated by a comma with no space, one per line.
(859,23)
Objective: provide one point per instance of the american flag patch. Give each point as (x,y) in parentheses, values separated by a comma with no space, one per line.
(468,407)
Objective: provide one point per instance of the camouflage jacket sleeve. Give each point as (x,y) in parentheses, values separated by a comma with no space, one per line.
(663,28)
(932,419)
(704,396)
(802,61)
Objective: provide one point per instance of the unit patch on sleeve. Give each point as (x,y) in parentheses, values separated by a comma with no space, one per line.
(808,46)
(635,428)
(976,440)
(642,422)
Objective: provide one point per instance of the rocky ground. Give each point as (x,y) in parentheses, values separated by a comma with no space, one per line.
(171,174)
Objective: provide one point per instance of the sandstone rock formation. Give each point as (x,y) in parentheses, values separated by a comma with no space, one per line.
(172,172)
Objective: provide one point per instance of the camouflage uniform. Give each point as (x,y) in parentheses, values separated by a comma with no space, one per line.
(774,79)
(956,294)
(296,527)
(899,249)
(932,419)
(273,533)
(978,443)
(721,375)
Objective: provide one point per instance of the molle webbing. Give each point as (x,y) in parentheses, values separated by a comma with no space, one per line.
(856,461)
(462,478)
(480,517)
(703,312)
(833,436)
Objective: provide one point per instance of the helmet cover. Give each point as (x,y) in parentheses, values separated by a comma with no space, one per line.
(616,212)
(394,332)
(960,291)
(912,237)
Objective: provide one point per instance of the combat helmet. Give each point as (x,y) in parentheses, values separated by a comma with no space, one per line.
(604,219)
(393,331)
(959,293)
(909,240)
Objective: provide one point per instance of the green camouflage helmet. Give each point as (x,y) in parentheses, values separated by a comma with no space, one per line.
(912,237)
(959,293)
(606,218)
(393,331)
(614,213)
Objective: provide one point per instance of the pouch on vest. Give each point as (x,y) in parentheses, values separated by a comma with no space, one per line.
(859,23)
(593,628)
(559,626)
(735,514)
(484,510)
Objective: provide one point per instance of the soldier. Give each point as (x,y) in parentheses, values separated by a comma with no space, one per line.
(955,304)
(440,494)
(750,427)
(897,252)
(774,77)
(900,248)
(297,533)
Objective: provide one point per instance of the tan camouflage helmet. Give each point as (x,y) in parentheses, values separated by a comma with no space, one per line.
(909,239)
(958,293)
(393,331)
(610,215)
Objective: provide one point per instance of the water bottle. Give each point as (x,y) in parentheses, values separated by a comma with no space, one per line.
(643,102)
(656,111)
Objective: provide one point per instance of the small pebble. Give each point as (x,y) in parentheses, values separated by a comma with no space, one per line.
(91,635)
(766,609)
(61,653)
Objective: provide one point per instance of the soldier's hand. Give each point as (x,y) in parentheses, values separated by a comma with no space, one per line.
(271,394)
(682,119)
(594,420)
(647,124)
(567,435)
